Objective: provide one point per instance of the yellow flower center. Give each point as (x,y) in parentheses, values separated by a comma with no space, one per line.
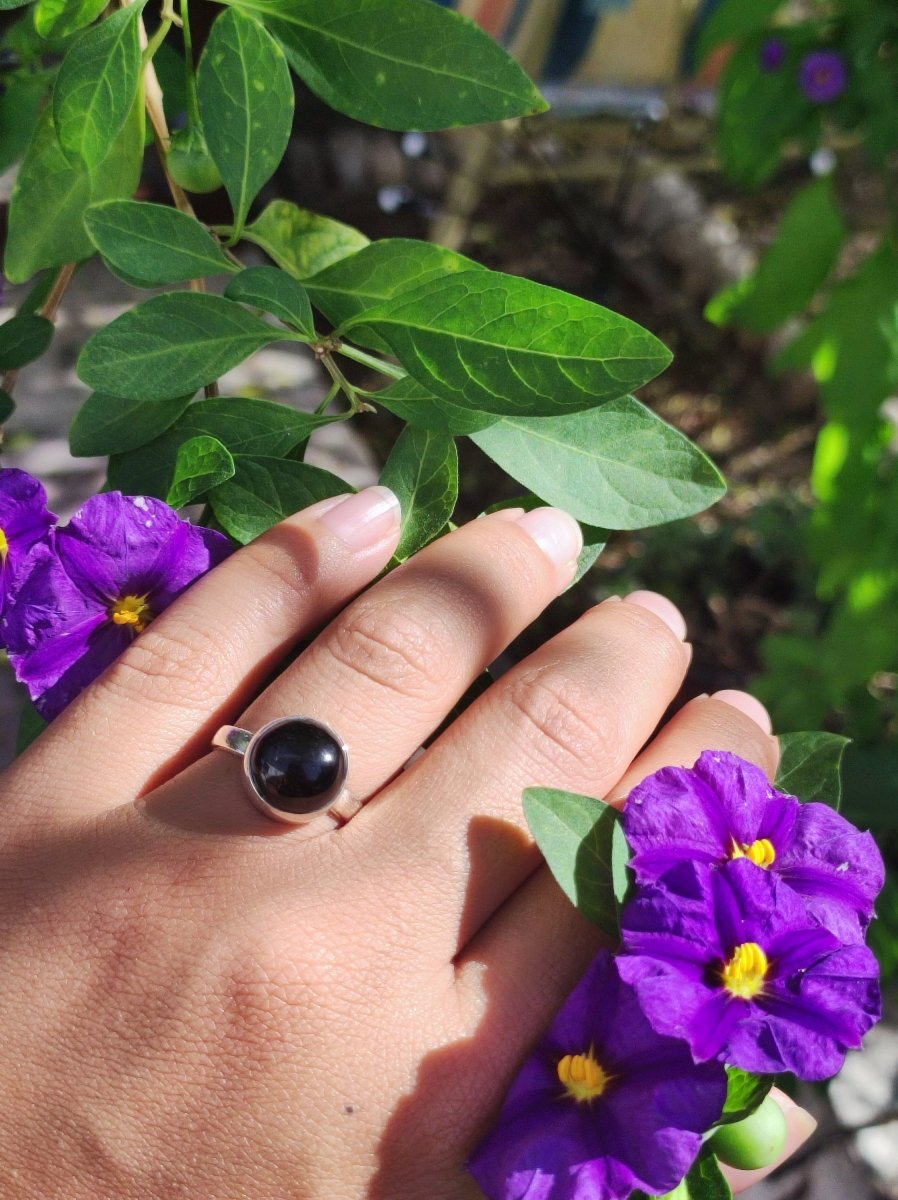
(4,545)
(133,611)
(744,974)
(760,852)
(582,1076)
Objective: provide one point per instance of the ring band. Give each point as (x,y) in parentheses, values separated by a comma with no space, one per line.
(294,769)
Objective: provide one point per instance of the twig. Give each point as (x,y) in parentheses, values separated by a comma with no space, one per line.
(48,309)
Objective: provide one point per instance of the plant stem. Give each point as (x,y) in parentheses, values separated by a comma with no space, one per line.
(328,400)
(340,381)
(156,40)
(161,136)
(193,108)
(370,360)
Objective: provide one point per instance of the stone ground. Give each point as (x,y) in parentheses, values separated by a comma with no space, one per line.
(837,1165)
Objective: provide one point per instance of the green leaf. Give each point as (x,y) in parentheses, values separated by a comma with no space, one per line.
(745,1092)
(7,4)
(171,345)
(399,65)
(510,346)
(810,766)
(153,243)
(618,466)
(406,398)
(705,1181)
(46,226)
(23,338)
(796,266)
(245,427)
(381,271)
(575,836)
(732,20)
(97,86)
(302,242)
(7,406)
(38,294)
(202,463)
(246,105)
(31,726)
(59,18)
(20,108)
(423,472)
(110,425)
(266,490)
(275,292)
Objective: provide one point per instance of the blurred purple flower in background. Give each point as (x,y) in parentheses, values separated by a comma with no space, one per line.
(772,54)
(24,520)
(725,808)
(82,596)
(729,959)
(603,1105)
(823,76)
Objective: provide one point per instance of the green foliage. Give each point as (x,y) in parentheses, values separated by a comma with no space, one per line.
(422,470)
(110,425)
(511,346)
(59,18)
(7,406)
(275,292)
(264,491)
(246,105)
(97,86)
(617,466)
(189,162)
(20,107)
(302,242)
(201,464)
(46,226)
(745,1092)
(23,338)
(705,1181)
(810,766)
(170,345)
(584,848)
(153,243)
(406,398)
(398,65)
(732,20)
(792,271)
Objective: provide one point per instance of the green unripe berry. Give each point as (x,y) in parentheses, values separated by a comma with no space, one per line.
(189,162)
(755,1142)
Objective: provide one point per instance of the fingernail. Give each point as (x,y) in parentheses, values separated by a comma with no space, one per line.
(798,1118)
(746,704)
(661,607)
(364,518)
(556,533)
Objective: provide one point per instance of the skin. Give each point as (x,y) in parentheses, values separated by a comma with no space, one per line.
(206,1004)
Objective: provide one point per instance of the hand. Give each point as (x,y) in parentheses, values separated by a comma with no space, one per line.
(202,1003)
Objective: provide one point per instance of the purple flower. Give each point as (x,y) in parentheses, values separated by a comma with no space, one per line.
(24,520)
(602,1106)
(725,808)
(82,597)
(772,55)
(729,959)
(823,76)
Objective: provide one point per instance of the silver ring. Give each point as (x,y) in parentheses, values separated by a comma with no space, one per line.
(294,769)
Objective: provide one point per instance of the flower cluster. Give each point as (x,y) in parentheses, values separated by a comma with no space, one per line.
(73,597)
(822,74)
(742,946)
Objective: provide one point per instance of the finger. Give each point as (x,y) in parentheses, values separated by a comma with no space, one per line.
(386,672)
(196,665)
(570,716)
(799,1127)
(728,720)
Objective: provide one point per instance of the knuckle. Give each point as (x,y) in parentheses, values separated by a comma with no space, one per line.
(179,668)
(276,565)
(563,724)
(393,650)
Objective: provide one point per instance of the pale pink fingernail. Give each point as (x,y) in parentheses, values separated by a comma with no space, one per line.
(746,704)
(555,532)
(363,519)
(661,607)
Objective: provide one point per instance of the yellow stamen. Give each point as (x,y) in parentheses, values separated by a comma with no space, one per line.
(582,1076)
(4,546)
(760,852)
(133,611)
(744,974)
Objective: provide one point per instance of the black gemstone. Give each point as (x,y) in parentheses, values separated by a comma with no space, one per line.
(298,766)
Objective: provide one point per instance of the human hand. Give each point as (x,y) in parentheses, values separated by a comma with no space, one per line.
(204,1004)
